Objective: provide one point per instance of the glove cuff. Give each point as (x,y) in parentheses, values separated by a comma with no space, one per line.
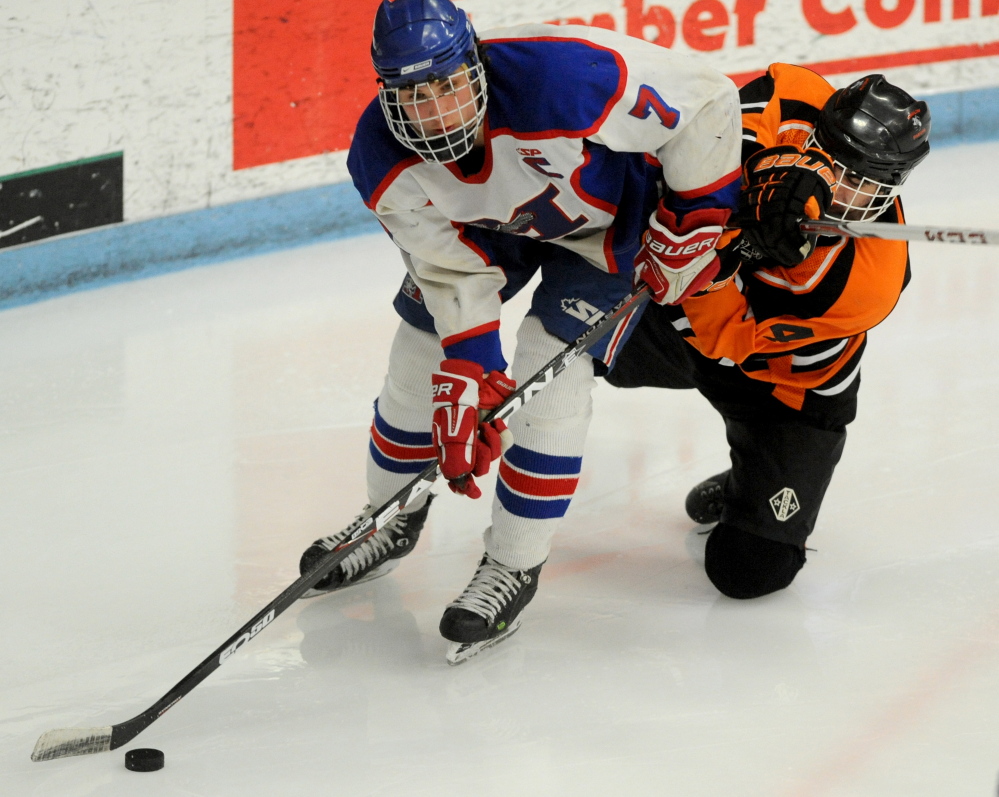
(466,368)
(692,219)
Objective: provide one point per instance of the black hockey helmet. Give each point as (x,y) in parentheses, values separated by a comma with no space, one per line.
(875,129)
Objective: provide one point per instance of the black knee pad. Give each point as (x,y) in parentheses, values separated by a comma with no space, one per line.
(744,565)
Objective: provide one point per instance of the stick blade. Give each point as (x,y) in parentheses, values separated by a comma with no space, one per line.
(64,742)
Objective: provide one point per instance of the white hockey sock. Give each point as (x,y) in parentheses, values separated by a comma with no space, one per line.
(538,475)
(400,445)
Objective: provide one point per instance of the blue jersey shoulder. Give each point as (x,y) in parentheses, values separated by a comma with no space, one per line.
(374,152)
(551,86)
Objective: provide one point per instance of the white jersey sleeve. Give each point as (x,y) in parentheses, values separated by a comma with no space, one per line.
(678,110)
(579,122)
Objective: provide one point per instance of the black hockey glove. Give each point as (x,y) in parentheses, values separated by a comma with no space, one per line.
(781,187)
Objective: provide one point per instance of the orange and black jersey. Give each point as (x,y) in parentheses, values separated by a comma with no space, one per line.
(801,328)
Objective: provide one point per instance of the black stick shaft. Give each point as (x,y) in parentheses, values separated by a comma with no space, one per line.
(124,732)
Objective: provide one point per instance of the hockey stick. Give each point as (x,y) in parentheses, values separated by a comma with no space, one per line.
(901,232)
(64,742)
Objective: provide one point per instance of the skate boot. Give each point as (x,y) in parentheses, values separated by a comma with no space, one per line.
(488,611)
(376,556)
(704,502)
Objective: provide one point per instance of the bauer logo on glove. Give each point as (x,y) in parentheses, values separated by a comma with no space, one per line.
(668,250)
(678,259)
(813,161)
(783,186)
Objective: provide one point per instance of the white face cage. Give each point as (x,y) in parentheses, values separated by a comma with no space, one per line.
(438,119)
(855,197)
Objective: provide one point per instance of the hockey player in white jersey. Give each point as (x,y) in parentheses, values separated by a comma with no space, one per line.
(576,151)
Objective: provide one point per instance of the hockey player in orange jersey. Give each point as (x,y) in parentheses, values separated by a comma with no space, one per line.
(775,342)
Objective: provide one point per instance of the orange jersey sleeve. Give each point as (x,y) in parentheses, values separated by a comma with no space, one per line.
(781,107)
(802,327)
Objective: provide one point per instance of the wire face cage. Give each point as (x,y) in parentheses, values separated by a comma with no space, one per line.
(856,197)
(438,119)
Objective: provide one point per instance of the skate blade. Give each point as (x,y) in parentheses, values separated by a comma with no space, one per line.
(382,570)
(460,652)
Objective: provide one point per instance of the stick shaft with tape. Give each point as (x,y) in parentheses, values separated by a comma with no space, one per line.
(902,232)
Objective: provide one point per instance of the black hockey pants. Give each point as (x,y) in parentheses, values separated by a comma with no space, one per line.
(782,459)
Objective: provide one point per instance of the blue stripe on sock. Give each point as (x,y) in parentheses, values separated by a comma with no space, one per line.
(545,464)
(395,466)
(528,507)
(398,436)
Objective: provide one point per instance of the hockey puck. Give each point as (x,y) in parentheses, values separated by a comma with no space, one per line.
(144,759)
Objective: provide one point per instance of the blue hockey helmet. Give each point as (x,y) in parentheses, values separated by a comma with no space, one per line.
(416,41)
(432,81)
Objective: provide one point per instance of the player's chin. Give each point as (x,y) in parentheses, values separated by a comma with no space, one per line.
(850,214)
(858,214)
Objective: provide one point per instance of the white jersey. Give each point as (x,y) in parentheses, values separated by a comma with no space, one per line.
(581,123)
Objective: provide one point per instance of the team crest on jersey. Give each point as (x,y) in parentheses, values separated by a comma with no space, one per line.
(784,504)
(583,310)
(412,290)
(516,226)
(539,217)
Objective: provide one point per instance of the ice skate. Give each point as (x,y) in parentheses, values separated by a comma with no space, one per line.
(375,557)
(487,612)
(704,502)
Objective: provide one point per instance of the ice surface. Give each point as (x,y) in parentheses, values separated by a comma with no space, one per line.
(169,447)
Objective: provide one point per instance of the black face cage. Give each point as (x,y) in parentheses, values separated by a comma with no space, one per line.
(857,197)
(438,119)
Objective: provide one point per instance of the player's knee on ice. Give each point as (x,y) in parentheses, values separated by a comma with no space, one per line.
(743,565)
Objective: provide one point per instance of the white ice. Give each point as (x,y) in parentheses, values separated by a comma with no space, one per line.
(169,447)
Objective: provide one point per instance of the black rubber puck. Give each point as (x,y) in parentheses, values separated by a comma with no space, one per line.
(144,759)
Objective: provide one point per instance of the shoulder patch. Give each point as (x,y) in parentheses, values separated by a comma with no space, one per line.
(798,111)
(375,154)
(528,80)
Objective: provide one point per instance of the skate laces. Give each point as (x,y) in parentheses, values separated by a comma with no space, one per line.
(378,546)
(492,587)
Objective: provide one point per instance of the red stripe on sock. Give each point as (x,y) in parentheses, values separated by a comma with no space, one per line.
(537,486)
(396,451)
